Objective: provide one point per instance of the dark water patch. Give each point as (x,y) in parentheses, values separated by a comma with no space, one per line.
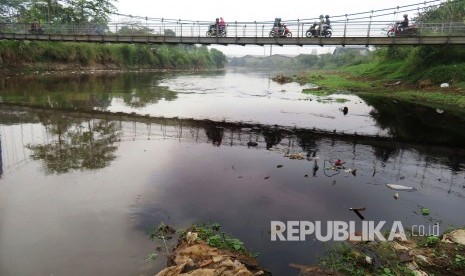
(417,123)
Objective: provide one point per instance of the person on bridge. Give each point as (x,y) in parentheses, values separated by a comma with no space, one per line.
(222,24)
(404,24)
(327,22)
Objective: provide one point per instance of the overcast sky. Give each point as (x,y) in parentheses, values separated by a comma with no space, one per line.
(253,10)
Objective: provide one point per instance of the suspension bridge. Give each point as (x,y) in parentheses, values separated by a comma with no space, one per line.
(364,28)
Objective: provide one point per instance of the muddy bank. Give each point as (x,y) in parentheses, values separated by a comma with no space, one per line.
(203,249)
(417,255)
(424,92)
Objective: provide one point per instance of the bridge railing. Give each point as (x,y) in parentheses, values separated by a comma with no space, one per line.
(234,29)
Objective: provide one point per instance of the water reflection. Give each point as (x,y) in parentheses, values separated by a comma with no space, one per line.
(76,140)
(235,97)
(215,134)
(85,91)
(77,144)
(179,171)
(417,123)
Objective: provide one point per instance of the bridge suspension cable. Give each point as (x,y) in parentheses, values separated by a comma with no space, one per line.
(370,14)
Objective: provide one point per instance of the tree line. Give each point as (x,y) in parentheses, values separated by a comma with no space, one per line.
(14,54)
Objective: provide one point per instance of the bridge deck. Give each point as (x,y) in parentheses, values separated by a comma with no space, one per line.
(300,41)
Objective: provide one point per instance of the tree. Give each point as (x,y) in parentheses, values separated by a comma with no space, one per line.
(83,11)
(59,11)
(9,9)
(450,11)
(134,29)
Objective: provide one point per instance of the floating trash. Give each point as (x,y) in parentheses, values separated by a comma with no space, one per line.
(358,210)
(298,156)
(401,187)
(396,196)
(425,211)
(279,166)
(338,163)
(252,144)
(352,171)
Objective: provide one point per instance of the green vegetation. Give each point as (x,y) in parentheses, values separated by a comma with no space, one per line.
(459,261)
(207,232)
(60,16)
(431,255)
(211,234)
(425,211)
(432,241)
(14,54)
(57,12)
(341,57)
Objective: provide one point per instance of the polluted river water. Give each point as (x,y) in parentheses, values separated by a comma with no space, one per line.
(91,164)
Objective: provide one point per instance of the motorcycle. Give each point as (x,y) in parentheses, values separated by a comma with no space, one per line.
(213,31)
(282,31)
(396,31)
(314,31)
(36,30)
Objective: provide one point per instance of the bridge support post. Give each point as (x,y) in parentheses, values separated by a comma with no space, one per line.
(368,32)
(345,31)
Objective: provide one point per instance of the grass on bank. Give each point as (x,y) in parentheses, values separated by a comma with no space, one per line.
(37,54)
(385,80)
(429,254)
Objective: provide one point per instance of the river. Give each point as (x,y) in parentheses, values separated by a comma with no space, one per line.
(91,163)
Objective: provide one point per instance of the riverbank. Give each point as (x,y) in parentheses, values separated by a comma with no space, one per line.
(202,249)
(418,255)
(350,80)
(32,56)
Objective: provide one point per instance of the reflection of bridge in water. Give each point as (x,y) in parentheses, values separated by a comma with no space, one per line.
(60,140)
(364,28)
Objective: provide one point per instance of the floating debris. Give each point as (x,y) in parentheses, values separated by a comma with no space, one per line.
(357,211)
(344,110)
(396,196)
(352,171)
(315,167)
(279,166)
(266,177)
(338,163)
(445,85)
(425,211)
(252,144)
(401,187)
(298,156)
